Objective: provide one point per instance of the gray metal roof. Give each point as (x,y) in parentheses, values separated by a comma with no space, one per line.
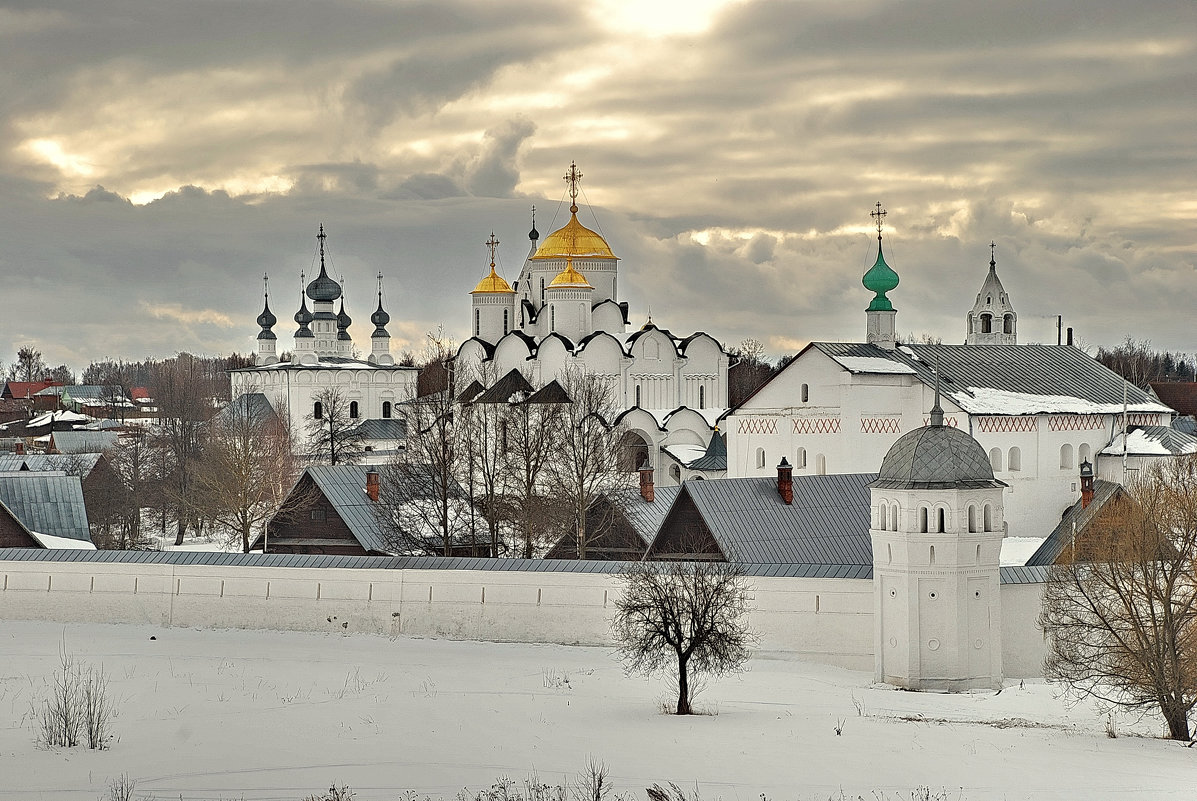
(48,503)
(83,441)
(1074,518)
(715,459)
(252,406)
(389,428)
(936,457)
(502,390)
(344,485)
(74,463)
(1009,575)
(1151,439)
(827,524)
(1044,370)
(644,517)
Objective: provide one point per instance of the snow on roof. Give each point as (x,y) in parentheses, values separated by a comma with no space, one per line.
(63,543)
(59,416)
(1017,550)
(686,453)
(711,415)
(870,364)
(1151,441)
(986,400)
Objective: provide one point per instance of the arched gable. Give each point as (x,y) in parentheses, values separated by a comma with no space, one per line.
(512,351)
(601,353)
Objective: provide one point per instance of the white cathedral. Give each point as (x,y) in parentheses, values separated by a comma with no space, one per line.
(564,312)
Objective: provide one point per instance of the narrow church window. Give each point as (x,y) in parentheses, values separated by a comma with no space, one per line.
(1015,461)
(1084,453)
(318,410)
(894,514)
(941,520)
(889,554)
(995,459)
(760,454)
(805,393)
(542,289)
(702,397)
(972,518)
(386,410)
(552,318)
(820,465)
(353,409)
(923,519)
(504,322)
(1008,323)
(931,560)
(978,562)
(988,517)
(1066,457)
(477,322)
(637,394)
(987,323)
(800,459)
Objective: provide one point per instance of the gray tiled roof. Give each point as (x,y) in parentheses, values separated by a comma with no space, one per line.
(390,428)
(715,459)
(936,457)
(47,503)
(1074,517)
(1009,575)
(1044,370)
(502,390)
(84,441)
(827,524)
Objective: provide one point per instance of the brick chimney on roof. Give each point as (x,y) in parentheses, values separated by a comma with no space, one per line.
(646,482)
(785,481)
(1086,484)
(372,485)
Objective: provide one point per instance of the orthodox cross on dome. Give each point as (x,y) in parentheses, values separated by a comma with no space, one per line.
(492,243)
(879,214)
(992,261)
(380,285)
(573,178)
(320,236)
(266,285)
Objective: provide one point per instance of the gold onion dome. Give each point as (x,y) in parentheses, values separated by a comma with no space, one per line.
(493,283)
(574,239)
(569,277)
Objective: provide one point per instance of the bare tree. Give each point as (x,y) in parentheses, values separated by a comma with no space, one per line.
(136,461)
(529,437)
(246,469)
(181,389)
(688,616)
(333,436)
(585,465)
(1120,610)
(28,366)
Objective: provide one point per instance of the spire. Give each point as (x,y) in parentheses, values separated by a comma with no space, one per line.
(534,235)
(266,319)
(936,409)
(880,278)
(380,318)
(992,260)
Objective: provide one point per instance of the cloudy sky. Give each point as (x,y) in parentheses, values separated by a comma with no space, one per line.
(156,157)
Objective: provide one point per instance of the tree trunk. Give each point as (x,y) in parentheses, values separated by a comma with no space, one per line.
(683,688)
(182,530)
(1177,718)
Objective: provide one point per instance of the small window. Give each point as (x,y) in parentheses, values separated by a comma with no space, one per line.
(542,289)
(1065,457)
(988,517)
(941,520)
(702,397)
(353,409)
(504,322)
(386,409)
(894,515)
(800,459)
(1015,460)
(760,454)
(972,519)
(1085,453)
(931,560)
(552,318)
(318,410)
(1008,324)
(995,459)
(316,515)
(923,519)
(987,323)
(820,465)
(978,562)
(805,393)
(637,394)
(477,322)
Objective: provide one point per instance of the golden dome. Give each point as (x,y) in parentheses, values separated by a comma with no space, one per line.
(493,283)
(574,239)
(569,277)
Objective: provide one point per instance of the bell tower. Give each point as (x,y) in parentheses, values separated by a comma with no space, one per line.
(992,320)
(882,317)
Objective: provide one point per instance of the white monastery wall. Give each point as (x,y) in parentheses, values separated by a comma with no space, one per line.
(829,621)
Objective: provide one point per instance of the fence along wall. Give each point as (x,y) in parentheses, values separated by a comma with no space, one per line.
(829,621)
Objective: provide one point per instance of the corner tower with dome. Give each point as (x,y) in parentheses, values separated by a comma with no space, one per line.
(324,357)
(937,533)
(564,311)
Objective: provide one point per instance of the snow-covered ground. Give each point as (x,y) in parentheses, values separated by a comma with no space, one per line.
(268,715)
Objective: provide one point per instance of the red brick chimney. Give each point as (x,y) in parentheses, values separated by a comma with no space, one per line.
(785,481)
(372,485)
(646,482)
(19,448)
(1086,484)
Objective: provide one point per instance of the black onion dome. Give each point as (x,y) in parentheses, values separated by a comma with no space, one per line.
(380,318)
(343,323)
(936,457)
(534,234)
(303,316)
(324,288)
(267,319)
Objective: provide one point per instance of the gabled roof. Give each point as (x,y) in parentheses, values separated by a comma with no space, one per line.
(1151,441)
(1180,395)
(551,392)
(83,441)
(1075,519)
(827,524)
(502,390)
(715,459)
(81,463)
(644,517)
(26,389)
(470,392)
(47,503)
(390,428)
(94,392)
(252,406)
(1003,379)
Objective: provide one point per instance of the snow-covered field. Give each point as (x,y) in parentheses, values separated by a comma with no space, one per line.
(267,715)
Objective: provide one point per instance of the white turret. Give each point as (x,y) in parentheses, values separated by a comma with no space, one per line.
(569,302)
(380,340)
(992,320)
(493,303)
(266,337)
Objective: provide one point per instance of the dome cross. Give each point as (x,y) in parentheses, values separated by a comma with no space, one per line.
(492,243)
(573,178)
(879,215)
